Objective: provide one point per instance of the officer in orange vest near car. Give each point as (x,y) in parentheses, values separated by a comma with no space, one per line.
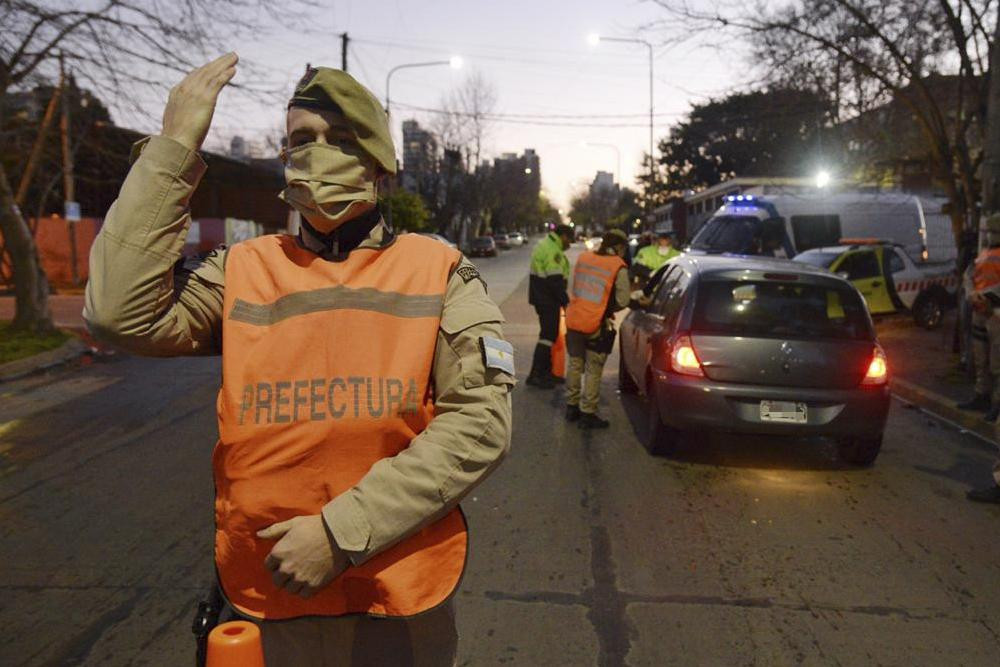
(600,289)
(365,379)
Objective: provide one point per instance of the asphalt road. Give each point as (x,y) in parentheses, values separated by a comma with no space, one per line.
(585,550)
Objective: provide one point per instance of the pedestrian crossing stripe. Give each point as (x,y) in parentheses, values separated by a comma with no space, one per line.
(497,354)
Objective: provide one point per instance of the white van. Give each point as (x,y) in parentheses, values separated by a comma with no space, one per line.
(791,223)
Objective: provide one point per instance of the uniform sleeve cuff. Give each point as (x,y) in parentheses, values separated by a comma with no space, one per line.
(172,156)
(349,526)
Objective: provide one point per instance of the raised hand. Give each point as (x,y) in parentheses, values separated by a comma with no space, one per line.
(191,103)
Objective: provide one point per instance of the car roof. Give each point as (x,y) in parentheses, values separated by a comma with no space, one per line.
(837,249)
(705,265)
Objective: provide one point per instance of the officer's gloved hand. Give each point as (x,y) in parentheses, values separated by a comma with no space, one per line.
(638,300)
(306,557)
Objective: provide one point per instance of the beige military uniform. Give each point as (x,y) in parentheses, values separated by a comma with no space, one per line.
(985,342)
(143,297)
(585,367)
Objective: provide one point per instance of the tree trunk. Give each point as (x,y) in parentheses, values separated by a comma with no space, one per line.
(991,149)
(31,287)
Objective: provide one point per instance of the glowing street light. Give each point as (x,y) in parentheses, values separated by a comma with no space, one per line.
(822,179)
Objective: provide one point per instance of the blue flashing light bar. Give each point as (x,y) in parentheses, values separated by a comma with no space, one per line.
(740,198)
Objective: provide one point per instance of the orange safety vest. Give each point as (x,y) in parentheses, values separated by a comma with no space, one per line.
(986,273)
(593,281)
(326,370)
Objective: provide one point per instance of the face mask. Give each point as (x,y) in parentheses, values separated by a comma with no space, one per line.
(663,250)
(329,186)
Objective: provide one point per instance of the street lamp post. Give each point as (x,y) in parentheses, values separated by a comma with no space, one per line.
(594,40)
(455,62)
(618,157)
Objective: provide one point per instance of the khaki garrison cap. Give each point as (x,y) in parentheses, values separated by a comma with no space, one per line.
(336,90)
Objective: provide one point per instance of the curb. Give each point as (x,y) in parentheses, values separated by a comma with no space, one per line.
(68,351)
(943,407)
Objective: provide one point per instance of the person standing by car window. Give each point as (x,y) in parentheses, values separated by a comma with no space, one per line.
(547,293)
(600,289)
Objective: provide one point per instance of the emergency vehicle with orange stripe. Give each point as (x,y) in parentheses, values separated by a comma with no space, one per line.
(889,279)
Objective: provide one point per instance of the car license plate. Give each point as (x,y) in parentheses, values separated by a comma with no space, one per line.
(783,411)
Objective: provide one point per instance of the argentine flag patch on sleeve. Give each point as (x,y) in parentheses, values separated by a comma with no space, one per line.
(498,354)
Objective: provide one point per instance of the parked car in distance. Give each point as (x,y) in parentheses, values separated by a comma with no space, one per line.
(758,346)
(483,246)
(889,279)
(438,237)
(502,241)
(516,239)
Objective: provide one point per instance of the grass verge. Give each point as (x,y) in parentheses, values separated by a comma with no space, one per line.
(18,344)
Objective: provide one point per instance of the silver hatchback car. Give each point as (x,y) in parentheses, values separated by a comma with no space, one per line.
(754,345)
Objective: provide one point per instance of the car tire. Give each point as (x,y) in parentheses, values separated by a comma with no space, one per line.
(860,452)
(928,310)
(661,440)
(625,382)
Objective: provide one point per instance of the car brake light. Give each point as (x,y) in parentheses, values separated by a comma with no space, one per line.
(684,358)
(878,369)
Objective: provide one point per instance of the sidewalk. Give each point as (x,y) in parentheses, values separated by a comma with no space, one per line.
(67,313)
(925,372)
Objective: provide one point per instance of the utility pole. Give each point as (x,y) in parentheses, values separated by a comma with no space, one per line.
(36,149)
(70,207)
(344,39)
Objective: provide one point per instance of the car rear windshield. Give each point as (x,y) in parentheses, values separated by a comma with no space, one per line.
(779,309)
(482,240)
(817,258)
(727,233)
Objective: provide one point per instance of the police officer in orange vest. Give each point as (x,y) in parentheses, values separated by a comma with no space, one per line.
(365,379)
(984,295)
(600,289)
(982,287)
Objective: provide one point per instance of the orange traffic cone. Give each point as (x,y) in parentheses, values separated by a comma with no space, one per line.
(559,348)
(235,644)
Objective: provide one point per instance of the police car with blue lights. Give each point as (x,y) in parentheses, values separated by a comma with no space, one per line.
(885,273)
(785,223)
(745,225)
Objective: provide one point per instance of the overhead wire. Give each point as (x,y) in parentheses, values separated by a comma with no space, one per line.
(530,118)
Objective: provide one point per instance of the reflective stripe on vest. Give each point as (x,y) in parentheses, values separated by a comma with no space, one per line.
(326,371)
(986,274)
(593,282)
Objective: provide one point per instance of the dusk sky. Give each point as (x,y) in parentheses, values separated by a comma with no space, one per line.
(561,90)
